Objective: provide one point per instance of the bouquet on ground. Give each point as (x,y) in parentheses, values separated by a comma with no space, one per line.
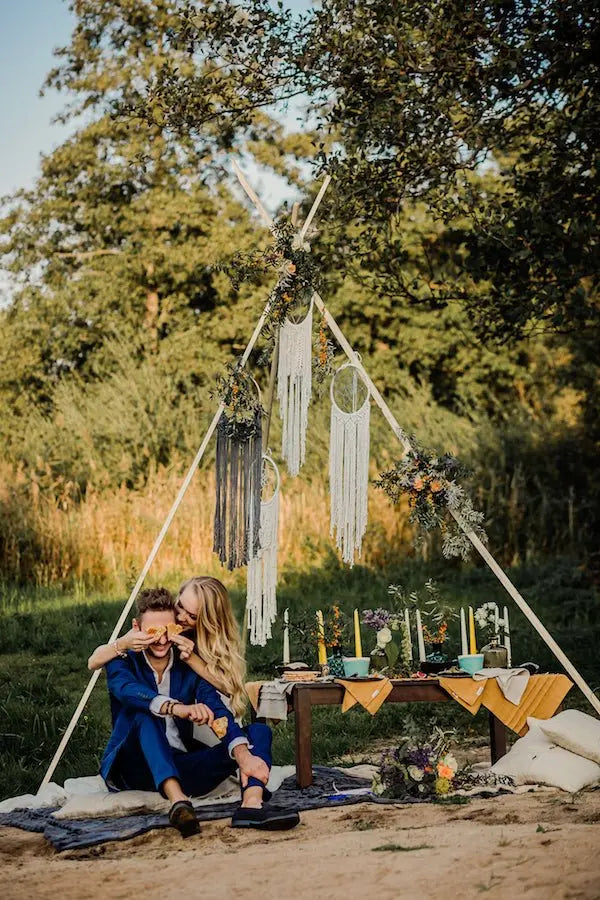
(417,770)
(392,653)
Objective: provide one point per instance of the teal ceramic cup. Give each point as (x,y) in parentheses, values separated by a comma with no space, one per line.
(357,665)
(471,662)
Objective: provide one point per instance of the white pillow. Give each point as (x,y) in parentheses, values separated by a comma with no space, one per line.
(534,759)
(575,731)
(517,762)
(562,769)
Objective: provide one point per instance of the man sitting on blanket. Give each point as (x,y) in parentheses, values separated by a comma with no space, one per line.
(155,701)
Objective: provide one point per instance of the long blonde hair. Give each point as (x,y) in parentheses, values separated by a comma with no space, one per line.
(218,642)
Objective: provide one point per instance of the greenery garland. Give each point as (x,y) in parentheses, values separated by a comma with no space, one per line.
(429,482)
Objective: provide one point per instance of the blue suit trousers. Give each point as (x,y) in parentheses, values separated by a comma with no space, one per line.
(146,759)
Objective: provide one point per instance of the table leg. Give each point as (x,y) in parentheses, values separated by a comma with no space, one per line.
(303,724)
(497,738)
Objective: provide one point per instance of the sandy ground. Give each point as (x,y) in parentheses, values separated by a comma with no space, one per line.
(544,845)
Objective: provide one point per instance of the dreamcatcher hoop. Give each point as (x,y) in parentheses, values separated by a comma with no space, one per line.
(294,387)
(349,447)
(261,594)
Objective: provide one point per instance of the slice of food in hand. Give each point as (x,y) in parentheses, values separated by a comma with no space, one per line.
(156,631)
(219,726)
(173,628)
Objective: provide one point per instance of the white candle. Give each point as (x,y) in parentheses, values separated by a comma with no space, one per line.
(286,638)
(420,640)
(496,619)
(464,644)
(507,637)
(407,625)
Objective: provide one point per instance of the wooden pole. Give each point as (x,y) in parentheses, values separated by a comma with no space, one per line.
(402,437)
(151,557)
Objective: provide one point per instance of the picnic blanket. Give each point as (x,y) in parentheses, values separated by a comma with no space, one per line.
(541,698)
(331,787)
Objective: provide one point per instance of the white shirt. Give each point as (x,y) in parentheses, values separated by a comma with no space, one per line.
(163,687)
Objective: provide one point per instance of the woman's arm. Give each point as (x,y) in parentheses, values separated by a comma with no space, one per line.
(134,640)
(196,664)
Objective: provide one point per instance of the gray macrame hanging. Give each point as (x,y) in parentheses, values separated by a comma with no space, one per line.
(261,594)
(294,386)
(349,469)
(238,477)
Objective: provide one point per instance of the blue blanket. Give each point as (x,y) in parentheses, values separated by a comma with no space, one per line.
(70,834)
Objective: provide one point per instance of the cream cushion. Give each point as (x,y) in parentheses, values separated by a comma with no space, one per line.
(534,759)
(575,731)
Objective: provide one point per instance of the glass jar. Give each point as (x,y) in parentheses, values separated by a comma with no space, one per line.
(495,656)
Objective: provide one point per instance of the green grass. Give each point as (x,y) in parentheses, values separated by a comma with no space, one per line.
(47,636)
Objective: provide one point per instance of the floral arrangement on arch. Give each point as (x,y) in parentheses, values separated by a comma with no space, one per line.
(392,640)
(429,481)
(417,771)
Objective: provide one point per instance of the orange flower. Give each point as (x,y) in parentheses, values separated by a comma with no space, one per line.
(445,771)
(436,486)
(291,268)
(418,484)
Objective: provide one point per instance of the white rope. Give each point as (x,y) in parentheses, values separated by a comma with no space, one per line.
(349,445)
(261,593)
(294,388)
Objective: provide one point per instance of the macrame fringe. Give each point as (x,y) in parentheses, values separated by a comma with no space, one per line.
(261,594)
(294,388)
(349,476)
(238,476)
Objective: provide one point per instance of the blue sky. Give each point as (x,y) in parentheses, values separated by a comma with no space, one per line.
(30,30)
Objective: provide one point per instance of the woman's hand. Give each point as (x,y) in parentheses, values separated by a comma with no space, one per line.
(184,645)
(135,640)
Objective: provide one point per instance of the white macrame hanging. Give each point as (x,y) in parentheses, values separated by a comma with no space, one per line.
(349,470)
(261,599)
(294,386)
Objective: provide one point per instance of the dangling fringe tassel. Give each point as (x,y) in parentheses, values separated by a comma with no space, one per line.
(349,476)
(294,387)
(238,490)
(261,599)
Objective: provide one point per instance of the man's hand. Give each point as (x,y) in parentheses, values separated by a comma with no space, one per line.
(197,712)
(250,765)
(135,640)
(184,645)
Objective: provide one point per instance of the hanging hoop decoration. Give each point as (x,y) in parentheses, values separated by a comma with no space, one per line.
(294,387)
(349,446)
(238,472)
(261,594)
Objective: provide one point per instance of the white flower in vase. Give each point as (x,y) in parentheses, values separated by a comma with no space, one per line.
(384,636)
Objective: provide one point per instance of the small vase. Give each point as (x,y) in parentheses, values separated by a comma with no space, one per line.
(495,656)
(336,663)
(379,660)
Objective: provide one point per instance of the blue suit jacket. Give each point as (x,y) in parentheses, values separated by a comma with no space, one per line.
(132,687)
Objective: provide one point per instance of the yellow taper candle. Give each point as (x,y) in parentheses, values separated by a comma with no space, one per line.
(321,639)
(472,641)
(357,640)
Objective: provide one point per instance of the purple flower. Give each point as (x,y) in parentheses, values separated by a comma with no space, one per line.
(377,618)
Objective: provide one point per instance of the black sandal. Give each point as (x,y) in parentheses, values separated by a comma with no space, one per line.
(182,816)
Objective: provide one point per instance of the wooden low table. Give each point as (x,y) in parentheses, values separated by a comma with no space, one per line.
(308,694)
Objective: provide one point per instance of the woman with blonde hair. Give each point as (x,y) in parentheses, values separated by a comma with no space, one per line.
(203,603)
